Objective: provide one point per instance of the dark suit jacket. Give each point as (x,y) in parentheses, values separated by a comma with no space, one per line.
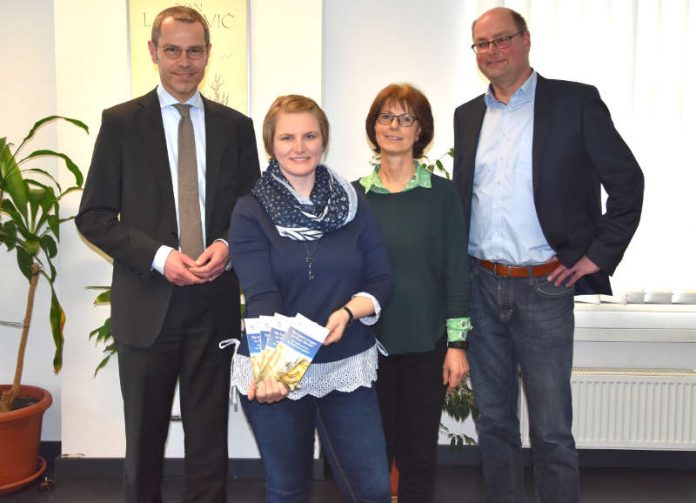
(576,148)
(127,209)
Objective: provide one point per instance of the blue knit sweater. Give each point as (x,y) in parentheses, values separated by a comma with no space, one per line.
(273,272)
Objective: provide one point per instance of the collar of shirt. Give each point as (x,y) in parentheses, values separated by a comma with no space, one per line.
(421,178)
(523,95)
(167,99)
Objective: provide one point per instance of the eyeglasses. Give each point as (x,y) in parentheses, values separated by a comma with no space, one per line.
(405,120)
(173,52)
(499,42)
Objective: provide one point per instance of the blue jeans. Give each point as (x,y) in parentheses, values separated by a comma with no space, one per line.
(523,324)
(350,430)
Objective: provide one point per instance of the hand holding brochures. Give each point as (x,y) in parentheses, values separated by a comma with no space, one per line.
(282,348)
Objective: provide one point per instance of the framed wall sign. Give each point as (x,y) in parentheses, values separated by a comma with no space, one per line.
(227,75)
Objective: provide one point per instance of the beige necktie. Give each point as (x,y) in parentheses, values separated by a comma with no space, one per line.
(191,233)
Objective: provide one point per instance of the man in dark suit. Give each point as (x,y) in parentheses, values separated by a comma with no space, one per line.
(166,172)
(530,157)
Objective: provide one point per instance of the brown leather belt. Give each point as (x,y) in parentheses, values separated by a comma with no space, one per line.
(519,271)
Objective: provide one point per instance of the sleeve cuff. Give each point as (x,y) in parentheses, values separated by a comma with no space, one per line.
(372,319)
(161,258)
(458,329)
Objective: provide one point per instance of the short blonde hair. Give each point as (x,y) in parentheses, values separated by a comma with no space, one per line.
(292,104)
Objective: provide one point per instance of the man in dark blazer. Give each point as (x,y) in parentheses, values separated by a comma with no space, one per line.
(530,157)
(170,310)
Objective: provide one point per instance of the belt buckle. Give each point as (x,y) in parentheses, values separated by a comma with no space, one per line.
(503,267)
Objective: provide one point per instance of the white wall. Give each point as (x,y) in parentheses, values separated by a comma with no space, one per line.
(28,94)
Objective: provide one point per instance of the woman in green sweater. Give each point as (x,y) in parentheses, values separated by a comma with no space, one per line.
(424,328)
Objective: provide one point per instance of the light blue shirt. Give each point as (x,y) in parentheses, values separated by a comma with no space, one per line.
(504,223)
(170,119)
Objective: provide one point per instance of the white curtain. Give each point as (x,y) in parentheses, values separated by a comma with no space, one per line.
(640,54)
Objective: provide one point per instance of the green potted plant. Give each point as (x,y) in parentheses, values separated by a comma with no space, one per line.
(102,334)
(30,221)
(459,405)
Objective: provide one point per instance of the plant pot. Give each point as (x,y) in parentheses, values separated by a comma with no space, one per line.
(394,481)
(20,434)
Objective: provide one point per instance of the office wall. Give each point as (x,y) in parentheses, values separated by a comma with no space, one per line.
(27,93)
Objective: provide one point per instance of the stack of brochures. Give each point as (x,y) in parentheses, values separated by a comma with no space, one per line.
(282,348)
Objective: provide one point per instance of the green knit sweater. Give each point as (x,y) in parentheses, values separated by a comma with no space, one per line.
(426,239)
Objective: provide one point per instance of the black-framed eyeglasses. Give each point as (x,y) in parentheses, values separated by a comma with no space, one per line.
(173,52)
(499,42)
(405,120)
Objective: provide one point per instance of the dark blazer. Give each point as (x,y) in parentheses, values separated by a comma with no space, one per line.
(127,209)
(576,149)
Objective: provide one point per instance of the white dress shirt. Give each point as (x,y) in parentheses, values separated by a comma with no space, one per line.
(170,120)
(504,223)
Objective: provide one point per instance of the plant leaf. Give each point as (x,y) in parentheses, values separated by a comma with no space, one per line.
(104,297)
(19,220)
(57,319)
(53,225)
(68,191)
(49,246)
(54,273)
(24,260)
(106,359)
(43,173)
(50,118)
(105,332)
(49,206)
(11,180)
(8,234)
(72,167)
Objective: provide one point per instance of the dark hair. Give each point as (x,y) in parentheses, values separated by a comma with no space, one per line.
(179,13)
(411,99)
(517,18)
(293,104)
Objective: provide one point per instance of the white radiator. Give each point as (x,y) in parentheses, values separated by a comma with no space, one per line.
(618,408)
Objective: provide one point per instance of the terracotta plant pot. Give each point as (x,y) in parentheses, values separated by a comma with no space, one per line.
(20,434)
(394,481)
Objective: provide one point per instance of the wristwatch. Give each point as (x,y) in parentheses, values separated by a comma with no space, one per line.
(458,345)
(350,314)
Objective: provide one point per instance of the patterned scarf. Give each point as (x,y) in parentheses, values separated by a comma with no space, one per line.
(331,204)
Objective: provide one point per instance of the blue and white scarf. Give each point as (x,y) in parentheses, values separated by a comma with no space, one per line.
(330,206)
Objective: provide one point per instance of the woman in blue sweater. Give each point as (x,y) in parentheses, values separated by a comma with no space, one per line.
(425,326)
(305,242)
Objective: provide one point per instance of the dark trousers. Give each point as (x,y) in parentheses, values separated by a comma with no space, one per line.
(185,350)
(411,393)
